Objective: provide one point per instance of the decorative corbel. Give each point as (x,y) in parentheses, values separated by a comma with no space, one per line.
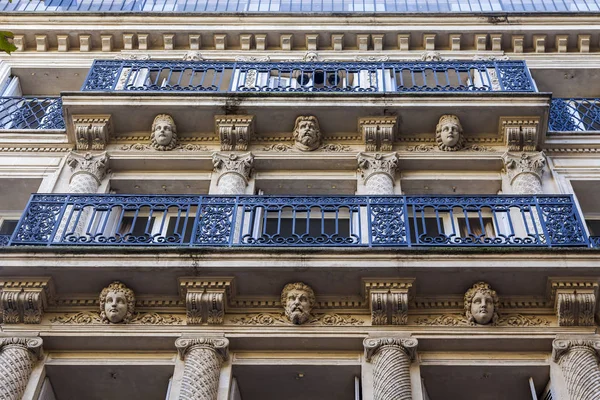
(388,300)
(24,300)
(92,131)
(574,300)
(520,133)
(234,131)
(205,299)
(378,132)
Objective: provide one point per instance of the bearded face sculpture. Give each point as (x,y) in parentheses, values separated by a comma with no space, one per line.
(449,133)
(117,303)
(481,305)
(307,135)
(164,133)
(298,300)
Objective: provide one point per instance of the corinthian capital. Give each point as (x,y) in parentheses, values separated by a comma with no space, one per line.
(372,164)
(560,347)
(524,163)
(233,163)
(374,345)
(95,165)
(219,345)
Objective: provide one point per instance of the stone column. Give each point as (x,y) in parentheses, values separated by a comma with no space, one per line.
(203,358)
(578,361)
(17,359)
(88,172)
(234,172)
(378,172)
(391,358)
(524,172)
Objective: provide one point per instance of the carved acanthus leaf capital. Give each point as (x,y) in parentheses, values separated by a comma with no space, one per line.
(219,345)
(378,133)
(95,165)
(371,164)
(560,347)
(92,131)
(374,345)
(234,164)
(32,344)
(235,131)
(24,300)
(524,163)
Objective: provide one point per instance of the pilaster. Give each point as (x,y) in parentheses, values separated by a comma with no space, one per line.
(233,172)
(18,356)
(203,357)
(391,358)
(378,172)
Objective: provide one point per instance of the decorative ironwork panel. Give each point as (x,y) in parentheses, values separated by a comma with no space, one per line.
(171,220)
(4,240)
(595,241)
(574,115)
(309,77)
(31,113)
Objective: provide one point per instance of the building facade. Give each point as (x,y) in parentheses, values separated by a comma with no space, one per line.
(220,200)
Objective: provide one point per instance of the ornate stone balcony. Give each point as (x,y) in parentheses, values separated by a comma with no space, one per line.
(282,221)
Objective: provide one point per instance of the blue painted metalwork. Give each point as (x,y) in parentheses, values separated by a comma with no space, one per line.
(4,240)
(247,221)
(31,113)
(290,77)
(595,241)
(574,115)
(320,6)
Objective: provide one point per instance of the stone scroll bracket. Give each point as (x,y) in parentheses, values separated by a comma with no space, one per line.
(388,300)
(378,133)
(521,133)
(24,300)
(205,299)
(92,132)
(574,300)
(235,132)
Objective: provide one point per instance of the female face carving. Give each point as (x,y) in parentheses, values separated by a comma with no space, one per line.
(482,308)
(115,306)
(450,134)
(163,133)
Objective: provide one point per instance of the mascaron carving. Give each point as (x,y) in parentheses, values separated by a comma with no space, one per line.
(117,304)
(24,301)
(234,131)
(164,133)
(92,131)
(307,134)
(449,134)
(378,133)
(481,305)
(297,299)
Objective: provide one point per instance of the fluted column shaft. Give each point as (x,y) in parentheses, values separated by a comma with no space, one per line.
(203,359)
(391,358)
(17,359)
(578,360)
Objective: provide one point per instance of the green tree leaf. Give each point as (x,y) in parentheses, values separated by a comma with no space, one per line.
(6,45)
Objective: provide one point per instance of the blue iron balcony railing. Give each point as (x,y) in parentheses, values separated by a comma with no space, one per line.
(574,115)
(31,113)
(251,221)
(291,6)
(305,77)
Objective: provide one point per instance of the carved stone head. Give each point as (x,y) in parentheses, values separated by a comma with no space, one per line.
(481,305)
(117,303)
(449,133)
(164,133)
(307,134)
(298,300)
